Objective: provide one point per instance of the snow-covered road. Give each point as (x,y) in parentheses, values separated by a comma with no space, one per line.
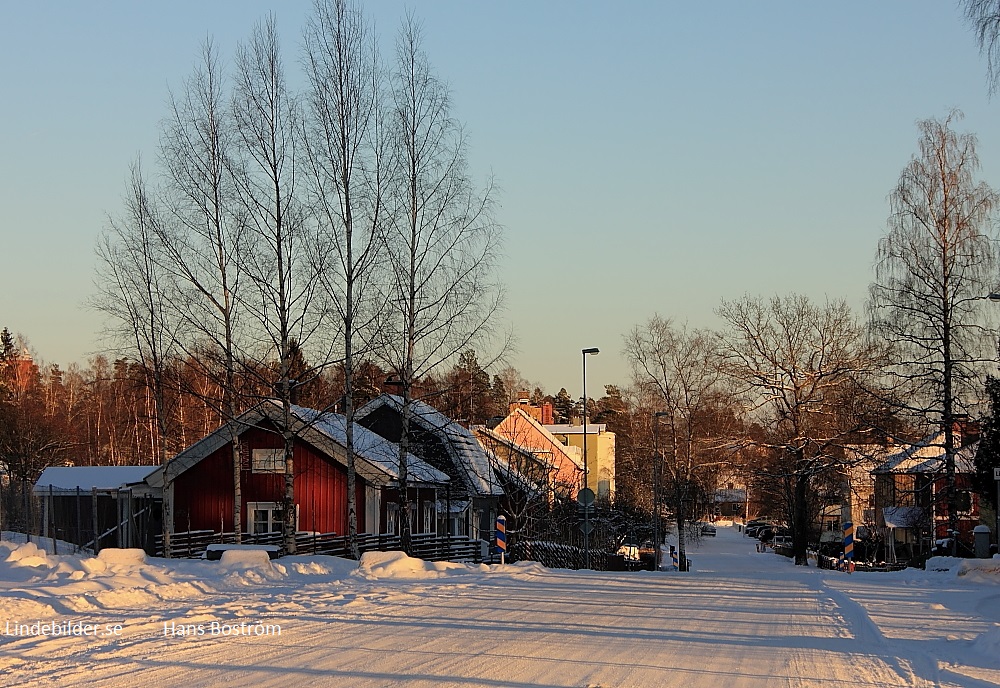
(740,619)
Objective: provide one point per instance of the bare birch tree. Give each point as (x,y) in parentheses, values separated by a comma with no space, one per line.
(441,239)
(134,292)
(281,298)
(345,160)
(984,17)
(934,267)
(203,239)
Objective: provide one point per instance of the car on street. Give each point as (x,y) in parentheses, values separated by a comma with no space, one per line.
(754,530)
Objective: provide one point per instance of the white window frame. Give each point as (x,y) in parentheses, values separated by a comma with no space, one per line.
(373,500)
(392,517)
(274,520)
(267,460)
(429,517)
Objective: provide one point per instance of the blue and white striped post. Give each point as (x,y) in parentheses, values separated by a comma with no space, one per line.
(849,544)
(502,537)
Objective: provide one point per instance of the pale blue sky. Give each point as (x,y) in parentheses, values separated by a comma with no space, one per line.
(654,157)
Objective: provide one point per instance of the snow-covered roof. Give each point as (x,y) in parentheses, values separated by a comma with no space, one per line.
(730,496)
(66,479)
(371,446)
(378,458)
(512,475)
(467,454)
(928,456)
(546,432)
(902,516)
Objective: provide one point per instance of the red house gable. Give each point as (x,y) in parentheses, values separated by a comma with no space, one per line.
(203,494)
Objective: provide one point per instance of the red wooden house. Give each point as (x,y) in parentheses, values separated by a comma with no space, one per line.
(197,484)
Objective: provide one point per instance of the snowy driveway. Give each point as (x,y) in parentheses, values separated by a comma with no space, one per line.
(741,619)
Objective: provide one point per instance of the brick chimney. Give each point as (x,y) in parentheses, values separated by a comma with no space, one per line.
(547,414)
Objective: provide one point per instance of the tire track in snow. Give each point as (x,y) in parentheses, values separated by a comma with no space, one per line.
(917,669)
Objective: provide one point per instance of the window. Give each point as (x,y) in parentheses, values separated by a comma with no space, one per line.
(392,517)
(476,525)
(372,504)
(268,461)
(429,517)
(265,517)
(905,490)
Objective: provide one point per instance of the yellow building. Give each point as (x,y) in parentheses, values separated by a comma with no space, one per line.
(600,453)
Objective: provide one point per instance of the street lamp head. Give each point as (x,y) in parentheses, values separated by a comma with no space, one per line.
(592,350)
(994,297)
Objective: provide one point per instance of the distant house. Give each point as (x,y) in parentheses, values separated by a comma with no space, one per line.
(600,443)
(111,502)
(730,503)
(910,495)
(554,465)
(197,484)
(468,504)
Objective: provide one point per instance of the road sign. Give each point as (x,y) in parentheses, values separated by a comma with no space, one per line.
(996,473)
(585,497)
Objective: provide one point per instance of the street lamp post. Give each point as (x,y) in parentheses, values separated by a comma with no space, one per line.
(657,470)
(996,471)
(593,351)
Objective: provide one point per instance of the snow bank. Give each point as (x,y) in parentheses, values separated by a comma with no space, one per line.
(17,608)
(246,559)
(335,568)
(122,557)
(386,565)
(28,554)
(980,570)
(988,643)
(247,567)
(942,564)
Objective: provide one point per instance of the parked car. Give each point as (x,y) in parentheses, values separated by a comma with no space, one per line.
(708,529)
(754,530)
(629,550)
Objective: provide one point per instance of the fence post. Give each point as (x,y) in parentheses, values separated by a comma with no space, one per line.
(79,522)
(52,519)
(93,518)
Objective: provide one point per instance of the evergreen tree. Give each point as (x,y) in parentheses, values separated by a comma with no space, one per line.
(988,453)
(564,406)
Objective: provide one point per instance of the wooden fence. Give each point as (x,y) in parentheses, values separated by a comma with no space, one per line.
(428,546)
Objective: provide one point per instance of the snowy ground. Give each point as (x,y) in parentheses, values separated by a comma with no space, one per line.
(740,619)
